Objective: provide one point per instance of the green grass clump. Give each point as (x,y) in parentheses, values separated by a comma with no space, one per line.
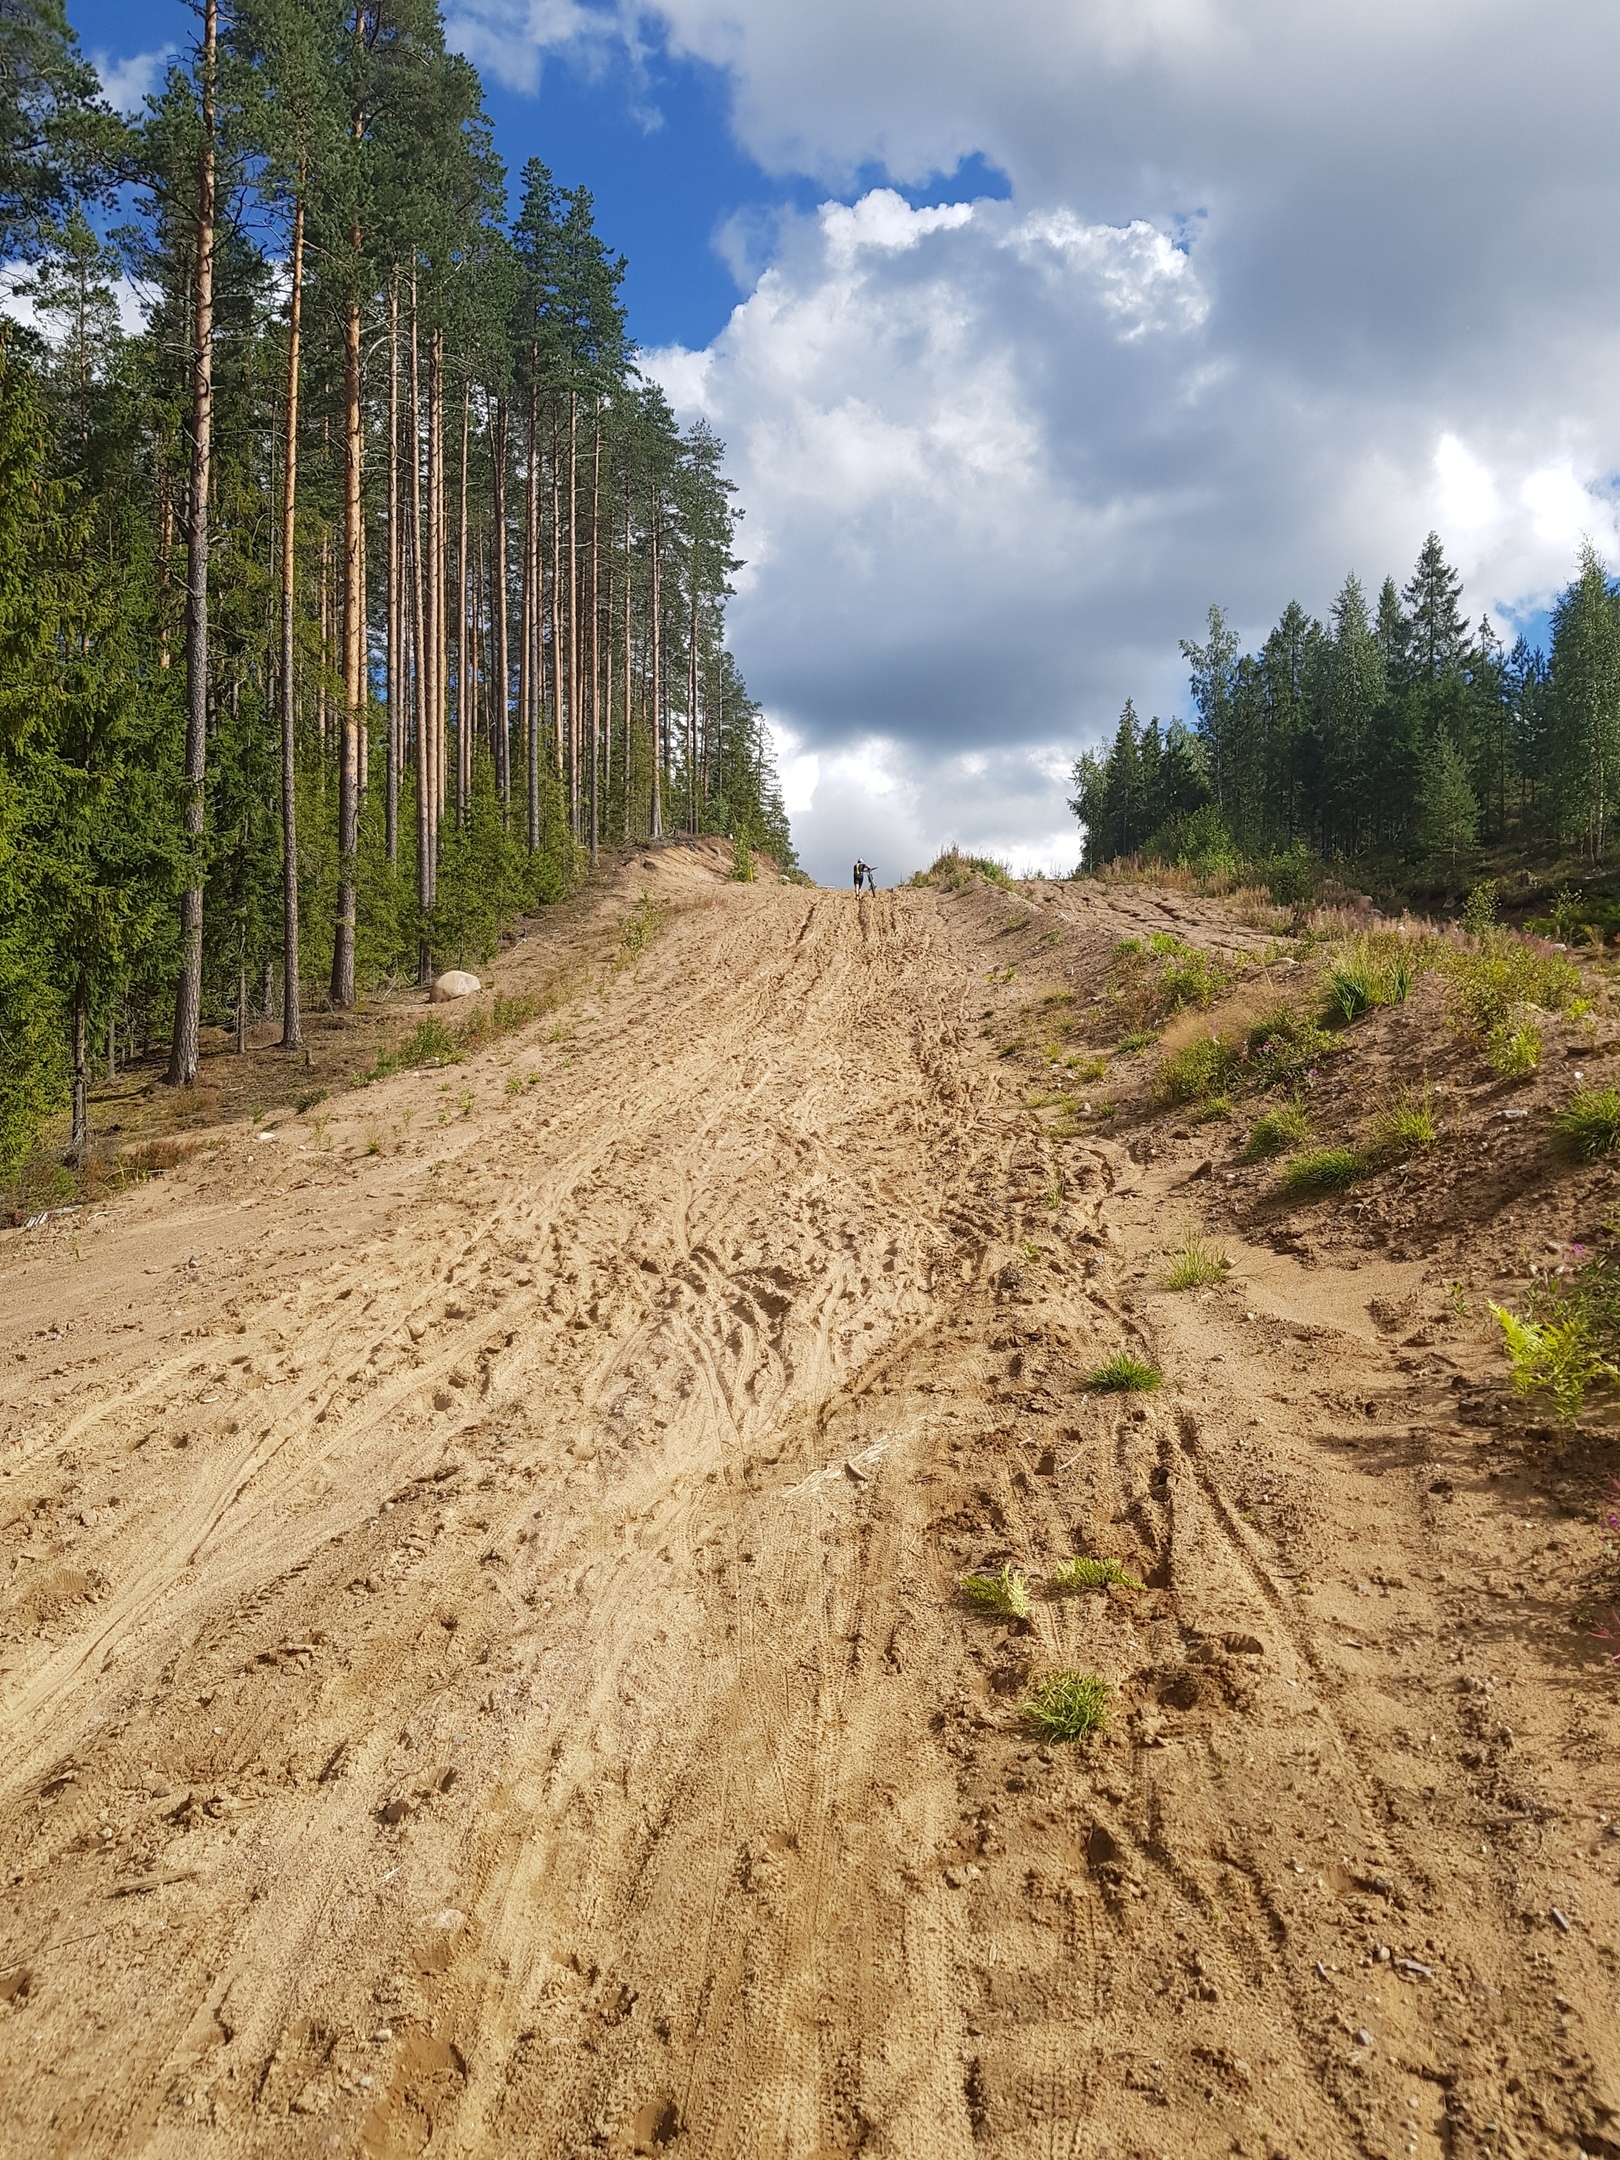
(1210,1110)
(1404,1128)
(1274,1132)
(1324,1170)
(1006,1591)
(1513,1049)
(1067,1705)
(1083,1574)
(1198,1071)
(1589,1123)
(1197,1265)
(1366,975)
(1124,1374)
(1138,1039)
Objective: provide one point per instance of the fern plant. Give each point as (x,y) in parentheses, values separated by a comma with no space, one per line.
(1083,1574)
(1555,1357)
(1005,1591)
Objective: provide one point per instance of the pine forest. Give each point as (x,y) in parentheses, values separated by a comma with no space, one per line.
(1397,738)
(353,601)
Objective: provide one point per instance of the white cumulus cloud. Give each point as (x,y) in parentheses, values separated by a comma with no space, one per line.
(1277,289)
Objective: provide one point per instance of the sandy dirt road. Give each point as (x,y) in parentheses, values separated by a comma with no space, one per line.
(483,1671)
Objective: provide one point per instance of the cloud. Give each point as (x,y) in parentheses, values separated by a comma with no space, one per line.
(127,84)
(1276,290)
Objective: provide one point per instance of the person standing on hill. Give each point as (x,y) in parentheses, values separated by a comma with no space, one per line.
(861,871)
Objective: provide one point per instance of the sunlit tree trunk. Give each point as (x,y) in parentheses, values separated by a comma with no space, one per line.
(188,992)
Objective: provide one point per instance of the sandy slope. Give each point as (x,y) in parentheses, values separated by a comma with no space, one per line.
(482,1668)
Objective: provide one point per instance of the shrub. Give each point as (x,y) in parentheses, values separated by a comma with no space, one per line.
(1197,1265)
(1139,1039)
(1276,1131)
(1198,1070)
(1082,1574)
(1282,1048)
(1324,1170)
(1513,1049)
(1404,1128)
(1148,983)
(1589,1123)
(1123,1373)
(1483,987)
(1479,909)
(1068,1705)
(1006,1591)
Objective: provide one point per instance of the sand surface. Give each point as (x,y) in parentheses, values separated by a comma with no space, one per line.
(483,1669)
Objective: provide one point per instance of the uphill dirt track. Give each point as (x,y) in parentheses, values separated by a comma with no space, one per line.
(484,1671)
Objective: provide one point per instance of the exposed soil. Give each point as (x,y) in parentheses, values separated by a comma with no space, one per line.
(482,1654)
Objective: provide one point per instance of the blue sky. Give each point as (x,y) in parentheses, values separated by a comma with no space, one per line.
(1033,330)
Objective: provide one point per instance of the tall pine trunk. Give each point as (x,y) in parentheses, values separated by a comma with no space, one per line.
(396,642)
(188,992)
(420,648)
(354,642)
(79,1143)
(502,712)
(292,1034)
(528,655)
(596,631)
(464,641)
(656,687)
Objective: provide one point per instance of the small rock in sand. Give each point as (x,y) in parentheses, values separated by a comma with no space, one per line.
(456,983)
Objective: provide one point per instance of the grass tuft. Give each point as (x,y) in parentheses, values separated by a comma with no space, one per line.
(1197,1265)
(1068,1705)
(1124,1374)
(1404,1128)
(1082,1574)
(1589,1123)
(1324,1170)
(1276,1131)
(1006,1591)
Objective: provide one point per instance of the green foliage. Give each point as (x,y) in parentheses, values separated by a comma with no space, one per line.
(1484,986)
(742,863)
(953,870)
(1589,1123)
(1197,1265)
(1203,1068)
(1068,1705)
(1274,1132)
(1513,1048)
(1005,1591)
(1149,983)
(1556,1357)
(1123,1373)
(1283,1049)
(1324,1170)
(1389,732)
(1367,975)
(1404,1128)
(1479,910)
(1083,1574)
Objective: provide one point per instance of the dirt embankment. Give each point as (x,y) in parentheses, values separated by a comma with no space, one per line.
(483,1659)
